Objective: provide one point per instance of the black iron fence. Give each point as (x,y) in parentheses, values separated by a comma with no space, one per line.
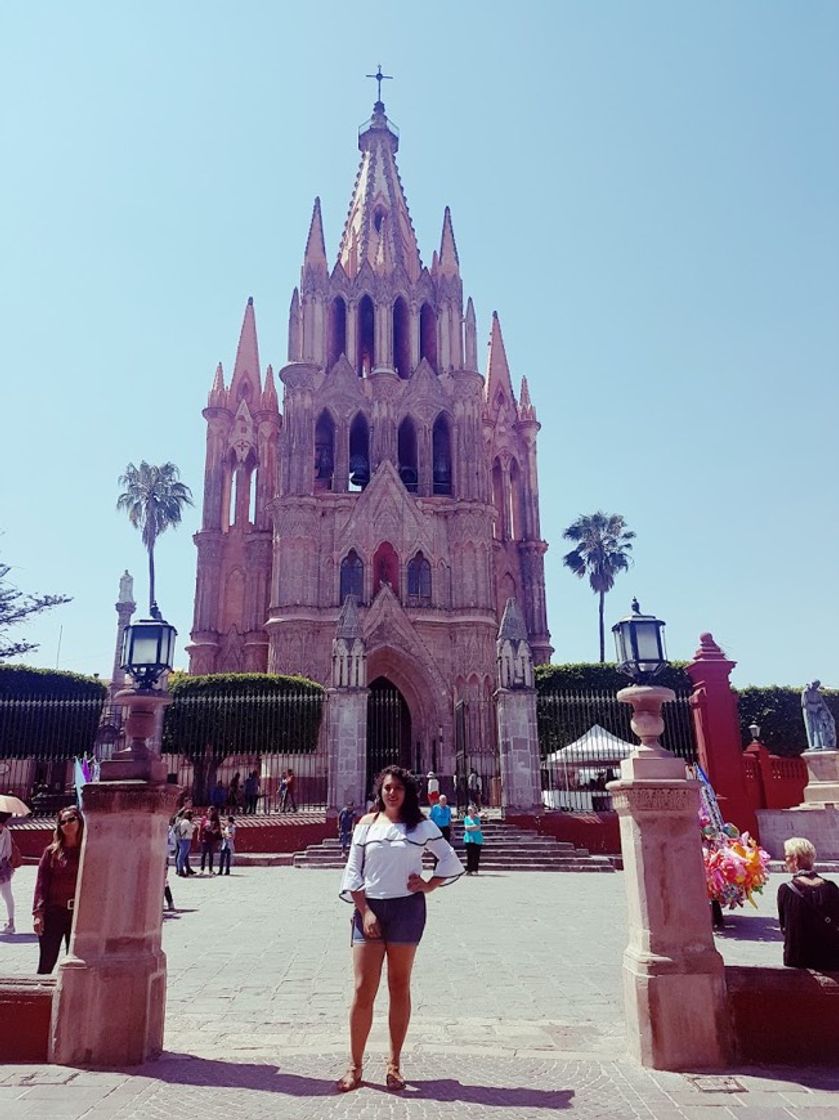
(584,736)
(39,738)
(477,764)
(236,750)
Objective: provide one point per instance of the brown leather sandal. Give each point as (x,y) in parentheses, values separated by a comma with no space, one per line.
(351,1080)
(393,1078)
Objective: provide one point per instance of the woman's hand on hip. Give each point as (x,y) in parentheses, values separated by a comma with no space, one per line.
(370,924)
(416,884)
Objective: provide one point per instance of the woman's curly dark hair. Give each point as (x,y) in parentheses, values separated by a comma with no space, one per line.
(410,814)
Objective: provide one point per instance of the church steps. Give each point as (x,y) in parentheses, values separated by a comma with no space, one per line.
(506,848)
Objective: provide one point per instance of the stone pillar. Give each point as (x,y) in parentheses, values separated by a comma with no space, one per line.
(515,707)
(346,714)
(674,979)
(125,607)
(718,736)
(110,997)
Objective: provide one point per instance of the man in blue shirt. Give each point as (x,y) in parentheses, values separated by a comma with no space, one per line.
(441,814)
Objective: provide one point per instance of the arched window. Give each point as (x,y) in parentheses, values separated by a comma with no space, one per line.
(419,581)
(428,335)
(441,456)
(498,530)
(402,339)
(516,503)
(324,451)
(352,576)
(407,450)
(359,453)
(337,331)
(366,337)
(386,568)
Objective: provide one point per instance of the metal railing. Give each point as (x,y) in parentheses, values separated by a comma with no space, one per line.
(584,736)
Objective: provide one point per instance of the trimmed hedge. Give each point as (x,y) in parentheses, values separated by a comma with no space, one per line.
(222,714)
(21,681)
(777,710)
(585,676)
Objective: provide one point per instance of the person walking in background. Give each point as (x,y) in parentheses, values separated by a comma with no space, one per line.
(228,846)
(55,888)
(346,823)
(6,872)
(218,796)
(808,911)
(473,838)
(287,792)
(234,792)
(475,788)
(251,791)
(171,853)
(441,814)
(432,787)
(210,836)
(383,880)
(184,829)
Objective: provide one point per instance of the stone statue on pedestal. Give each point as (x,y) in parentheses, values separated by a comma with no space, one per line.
(126,588)
(818,720)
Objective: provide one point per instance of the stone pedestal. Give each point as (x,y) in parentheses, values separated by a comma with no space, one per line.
(674,981)
(518,745)
(823,785)
(346,713)
(110,997)
(816,819)
(136,762)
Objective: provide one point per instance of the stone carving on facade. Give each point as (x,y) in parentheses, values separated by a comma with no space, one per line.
(818,719)
(515,662)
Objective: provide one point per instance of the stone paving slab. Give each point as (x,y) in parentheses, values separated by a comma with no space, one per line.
(517,1009)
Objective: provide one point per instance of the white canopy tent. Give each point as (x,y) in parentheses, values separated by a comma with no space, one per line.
(596,748)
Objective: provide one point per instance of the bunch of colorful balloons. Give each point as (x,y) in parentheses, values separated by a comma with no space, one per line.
(736,867)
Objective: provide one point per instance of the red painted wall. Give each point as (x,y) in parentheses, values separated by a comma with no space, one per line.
(25,1009)
(599,832)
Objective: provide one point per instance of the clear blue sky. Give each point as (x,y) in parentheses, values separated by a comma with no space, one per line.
(647,193)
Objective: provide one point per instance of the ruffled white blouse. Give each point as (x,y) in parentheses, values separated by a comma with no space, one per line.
(383,854)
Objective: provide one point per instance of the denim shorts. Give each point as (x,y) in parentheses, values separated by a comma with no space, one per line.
(401,920)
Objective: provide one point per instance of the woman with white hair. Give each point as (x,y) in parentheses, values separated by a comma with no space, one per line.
(808,910)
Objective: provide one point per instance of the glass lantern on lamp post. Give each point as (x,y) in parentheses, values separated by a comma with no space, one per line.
(148,648)
(639,639)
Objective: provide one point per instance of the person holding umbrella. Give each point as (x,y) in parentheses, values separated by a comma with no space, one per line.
(9,855)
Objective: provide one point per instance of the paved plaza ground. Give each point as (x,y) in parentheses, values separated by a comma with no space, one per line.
(517,1012)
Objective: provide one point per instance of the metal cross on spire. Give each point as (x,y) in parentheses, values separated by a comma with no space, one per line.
(380,77)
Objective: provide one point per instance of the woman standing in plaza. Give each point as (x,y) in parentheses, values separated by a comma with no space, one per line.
(383,880)
(473,838)
(55,888)
(6,872)
(210,837)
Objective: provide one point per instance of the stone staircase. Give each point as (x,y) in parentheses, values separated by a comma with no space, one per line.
(506,848)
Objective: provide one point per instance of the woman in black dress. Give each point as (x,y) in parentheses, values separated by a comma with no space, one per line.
(808,910)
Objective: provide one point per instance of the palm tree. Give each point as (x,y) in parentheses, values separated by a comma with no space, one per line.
(154,499)
(603,547)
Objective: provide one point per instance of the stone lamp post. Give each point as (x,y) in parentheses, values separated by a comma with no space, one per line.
(110,997)
(674,980)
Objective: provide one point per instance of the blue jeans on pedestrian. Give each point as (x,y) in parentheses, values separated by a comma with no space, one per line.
(182,859)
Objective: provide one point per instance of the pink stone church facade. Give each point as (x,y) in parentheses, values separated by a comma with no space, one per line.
(393,471)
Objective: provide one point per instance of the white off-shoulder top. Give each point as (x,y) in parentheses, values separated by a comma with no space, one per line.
(384,854)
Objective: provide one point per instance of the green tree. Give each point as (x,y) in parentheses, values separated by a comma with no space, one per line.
(16,607)
(154,499)
(602,550)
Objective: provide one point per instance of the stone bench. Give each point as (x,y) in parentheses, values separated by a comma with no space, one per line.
(784,1016)
(25,1010)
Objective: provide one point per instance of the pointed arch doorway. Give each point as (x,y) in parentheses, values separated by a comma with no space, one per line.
(388,729)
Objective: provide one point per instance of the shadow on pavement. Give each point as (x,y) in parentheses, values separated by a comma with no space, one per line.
(742,928)
(182,1069)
